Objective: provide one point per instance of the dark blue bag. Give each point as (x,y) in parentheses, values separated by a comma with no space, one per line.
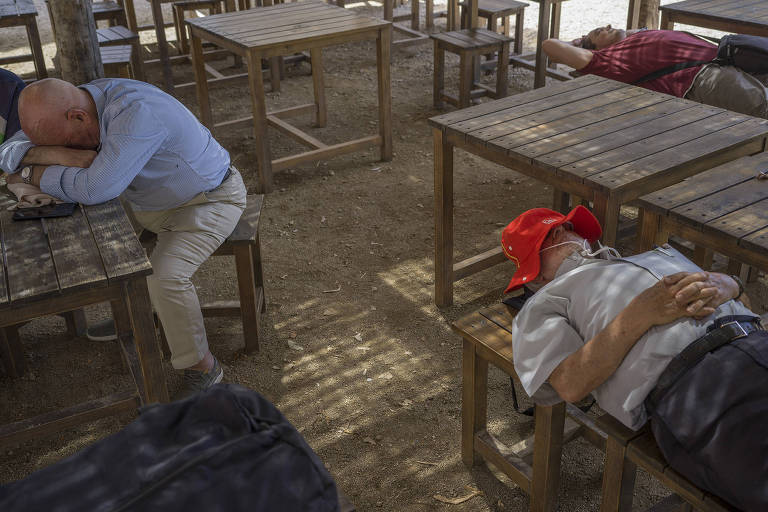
(226,449)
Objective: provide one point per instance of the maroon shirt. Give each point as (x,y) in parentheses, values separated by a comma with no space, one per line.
(648,51)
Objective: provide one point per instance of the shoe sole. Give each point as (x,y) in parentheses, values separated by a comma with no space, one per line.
(107,337)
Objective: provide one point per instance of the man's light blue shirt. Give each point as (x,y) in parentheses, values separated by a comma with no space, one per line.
(152,148)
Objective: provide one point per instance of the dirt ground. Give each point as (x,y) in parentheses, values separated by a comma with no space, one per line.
(353,349)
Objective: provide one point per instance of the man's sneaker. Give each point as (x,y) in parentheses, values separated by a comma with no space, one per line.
(196,381)
(102,331)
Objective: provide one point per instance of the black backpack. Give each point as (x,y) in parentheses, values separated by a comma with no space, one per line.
(748,53)
(227,449)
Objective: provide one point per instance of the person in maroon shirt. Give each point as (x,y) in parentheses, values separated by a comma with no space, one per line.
(628,56)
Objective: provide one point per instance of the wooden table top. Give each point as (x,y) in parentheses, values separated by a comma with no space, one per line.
(746,11)
(94,247)
(604,134)
(283,24)
(728,201)
(10,8)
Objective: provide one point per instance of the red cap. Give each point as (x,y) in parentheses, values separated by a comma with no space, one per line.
(522,238)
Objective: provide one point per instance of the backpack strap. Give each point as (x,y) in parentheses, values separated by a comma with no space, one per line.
(653,75)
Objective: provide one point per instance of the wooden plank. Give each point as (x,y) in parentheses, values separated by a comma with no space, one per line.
(632,143)
(118,245)
(701,150)
(503,316)
(707,182)
(601,112)
(593,131)
(512,101)
(295,133)
(29,267)
(493,450)
(478,263)
(725,201)
(745,220)
(75,254)
(756,242)
(491,342)
(326,152)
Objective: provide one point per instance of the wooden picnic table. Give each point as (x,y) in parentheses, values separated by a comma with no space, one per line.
(62,264)
(15,13)
(724,209)
(600,140)
(736,16)
(284,29)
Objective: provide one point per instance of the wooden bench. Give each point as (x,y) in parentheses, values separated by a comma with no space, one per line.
(724,209)
(117,61)
(22,13)
(469,44)
(626,450)
(495,10)
(533,464)
(119,35)
(244,244)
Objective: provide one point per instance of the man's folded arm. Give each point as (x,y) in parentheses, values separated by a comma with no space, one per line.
(565,53)
(18,151)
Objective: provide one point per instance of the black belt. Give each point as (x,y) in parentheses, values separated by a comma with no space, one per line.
(723,330)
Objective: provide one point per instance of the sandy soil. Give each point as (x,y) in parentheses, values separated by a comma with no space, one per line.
(354,351)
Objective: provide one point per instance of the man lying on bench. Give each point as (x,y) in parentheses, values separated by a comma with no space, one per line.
(651,336)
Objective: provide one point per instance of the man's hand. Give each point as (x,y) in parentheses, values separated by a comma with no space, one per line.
(661,305)
(701,292)
(59,155)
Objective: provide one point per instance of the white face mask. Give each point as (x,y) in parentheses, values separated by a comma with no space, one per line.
(586,250)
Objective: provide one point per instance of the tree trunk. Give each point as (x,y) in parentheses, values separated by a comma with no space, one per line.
(649,14)
(75,29)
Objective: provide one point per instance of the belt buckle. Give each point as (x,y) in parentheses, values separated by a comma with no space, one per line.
(737,336)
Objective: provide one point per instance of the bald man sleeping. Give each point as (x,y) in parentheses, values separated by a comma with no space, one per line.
(114,137)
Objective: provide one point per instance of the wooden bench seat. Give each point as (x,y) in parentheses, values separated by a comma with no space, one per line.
(244,244)
(535,465)
(119,35)
(469,44)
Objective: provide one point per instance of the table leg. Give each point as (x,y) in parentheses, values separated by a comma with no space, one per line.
(474,401)
(554,30)
(162,44)
(502,74)
(11,352)
(607,212)
(633,14)
(389,9)
(76,323)
(560,201)
(443,155)
(519,20)
(383,48)
(438,82)
(666,23)
(258,104)
(37,49)
(130,14)
(618,478)
(415,22)
(547,453)
(429,7)
(651,231)
(453,15)
(466,79)
(147,349)
(540,77)
(321,112)
(274,73)
(201,82)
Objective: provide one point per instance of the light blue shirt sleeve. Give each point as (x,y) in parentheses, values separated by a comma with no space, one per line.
(13,150)
(135,136)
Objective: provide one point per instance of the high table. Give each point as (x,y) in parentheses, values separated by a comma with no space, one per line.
(285,29)
(601,140)
(15,13)
(62,264)
(737,16)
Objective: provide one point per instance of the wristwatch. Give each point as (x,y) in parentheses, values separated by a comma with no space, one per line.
(26,175)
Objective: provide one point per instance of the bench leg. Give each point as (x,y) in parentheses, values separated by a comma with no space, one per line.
(438,83)
(249,307)
(519,32)
(318,84)
(258,272)
(136,61)
(37,49)
(547,452)
(465,79)
(11,352)
(474,401)
(651,231)
(618,478)
(76,324)
(502,71)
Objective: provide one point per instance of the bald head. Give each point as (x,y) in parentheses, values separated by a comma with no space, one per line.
(56,113)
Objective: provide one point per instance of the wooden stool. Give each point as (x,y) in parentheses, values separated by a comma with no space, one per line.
(22,13)
(495,10)
(117,60)
(626,450)
(119,35)
(111,12)
(179,8)
(469,44)
(245,245)
(724,209)
(535,465)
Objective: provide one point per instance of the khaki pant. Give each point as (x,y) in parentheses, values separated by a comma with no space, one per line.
(730,88)
(186,237)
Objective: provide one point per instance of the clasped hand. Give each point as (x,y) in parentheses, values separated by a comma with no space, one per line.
(692,294)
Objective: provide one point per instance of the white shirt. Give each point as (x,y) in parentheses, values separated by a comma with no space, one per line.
(584,297)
